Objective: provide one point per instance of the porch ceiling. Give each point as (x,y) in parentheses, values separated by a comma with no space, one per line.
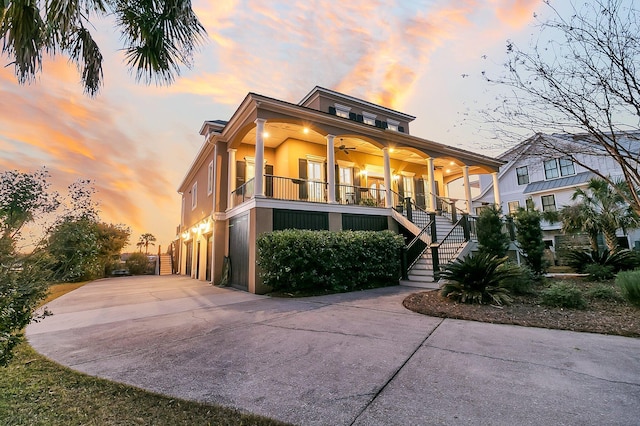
(278,133)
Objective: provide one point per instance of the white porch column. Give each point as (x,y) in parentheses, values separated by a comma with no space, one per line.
(388,202)
(258,181)
(496,190)
(467,187)
(331,170)
(431,194)
(231,173)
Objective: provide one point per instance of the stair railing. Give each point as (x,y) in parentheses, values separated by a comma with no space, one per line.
(409,209)
(444,251)
(417,246)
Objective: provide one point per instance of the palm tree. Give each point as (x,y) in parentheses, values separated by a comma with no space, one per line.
(601,209)
(159,36)
(145,241)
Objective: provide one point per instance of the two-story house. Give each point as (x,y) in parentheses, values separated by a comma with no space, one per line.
(330,162)
(543,172)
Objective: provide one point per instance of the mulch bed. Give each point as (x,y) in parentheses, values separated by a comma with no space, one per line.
(600,316)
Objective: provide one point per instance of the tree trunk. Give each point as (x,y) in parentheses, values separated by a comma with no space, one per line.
(611,239)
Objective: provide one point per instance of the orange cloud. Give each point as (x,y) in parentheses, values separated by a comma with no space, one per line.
(75,137)
(515,13)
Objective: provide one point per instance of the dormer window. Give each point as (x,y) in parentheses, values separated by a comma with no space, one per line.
(368,118)
(342,111)
(393,125)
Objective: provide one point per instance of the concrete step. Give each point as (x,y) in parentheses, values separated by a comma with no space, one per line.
(420,284)
(421,272)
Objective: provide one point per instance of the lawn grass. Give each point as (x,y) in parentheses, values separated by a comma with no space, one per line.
(57,290)
(37,391)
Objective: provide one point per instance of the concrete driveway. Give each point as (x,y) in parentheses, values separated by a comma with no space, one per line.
(357,358)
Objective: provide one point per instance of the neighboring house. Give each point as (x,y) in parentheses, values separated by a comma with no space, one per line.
(329,162)
(544,171)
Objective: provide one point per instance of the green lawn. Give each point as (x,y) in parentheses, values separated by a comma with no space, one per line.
(37,391)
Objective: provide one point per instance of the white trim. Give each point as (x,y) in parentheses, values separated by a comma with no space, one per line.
(316,158)
(345,164)
(194,195)
(210,178)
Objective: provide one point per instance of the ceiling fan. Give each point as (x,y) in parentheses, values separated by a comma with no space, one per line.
(345,148)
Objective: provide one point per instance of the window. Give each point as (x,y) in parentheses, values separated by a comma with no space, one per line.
(342,111)
(566,167)
(558,167)
(551,169)
(314,180)
(407,183)
(392,125)
(548,203)
(194,196)
(368,118)
(523,175)
(347,191)
(210,179)
(513,206)
(529,204)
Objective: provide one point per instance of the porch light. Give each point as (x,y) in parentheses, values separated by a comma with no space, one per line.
(391,150)
(363,172)
(305,130)
(452,163)
(203,226)
(185,235)
(194,229)
(265,134)
(396,177)
(448,170)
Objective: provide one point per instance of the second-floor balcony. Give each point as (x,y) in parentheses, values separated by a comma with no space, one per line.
(314,191)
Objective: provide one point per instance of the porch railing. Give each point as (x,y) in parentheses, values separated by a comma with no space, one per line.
(242,193)
(294,189)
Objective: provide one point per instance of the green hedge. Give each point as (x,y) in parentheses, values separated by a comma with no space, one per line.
(309,261)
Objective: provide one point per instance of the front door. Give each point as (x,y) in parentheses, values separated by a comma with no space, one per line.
(377,190)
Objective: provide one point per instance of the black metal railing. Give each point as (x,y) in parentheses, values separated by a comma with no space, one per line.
(416,247)
(242,193)
(295,189)
(412,211)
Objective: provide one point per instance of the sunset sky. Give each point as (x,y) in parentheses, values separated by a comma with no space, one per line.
(136,142)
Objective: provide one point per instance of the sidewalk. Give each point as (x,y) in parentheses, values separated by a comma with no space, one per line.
(356,358)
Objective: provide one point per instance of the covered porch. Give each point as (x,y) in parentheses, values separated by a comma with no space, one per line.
(307,163)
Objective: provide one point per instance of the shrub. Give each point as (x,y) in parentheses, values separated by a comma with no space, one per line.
(522,281)
(599,272)
(478,279)
(138,264)
(604,292)
(310,261)
(564,295)
(489,226)
(529,237)
(621,260)
(629,284)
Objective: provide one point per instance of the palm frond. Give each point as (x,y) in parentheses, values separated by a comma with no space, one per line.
(22,32)
(160,36)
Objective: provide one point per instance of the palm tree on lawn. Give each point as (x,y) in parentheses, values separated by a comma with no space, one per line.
(145,241)
(601,209)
